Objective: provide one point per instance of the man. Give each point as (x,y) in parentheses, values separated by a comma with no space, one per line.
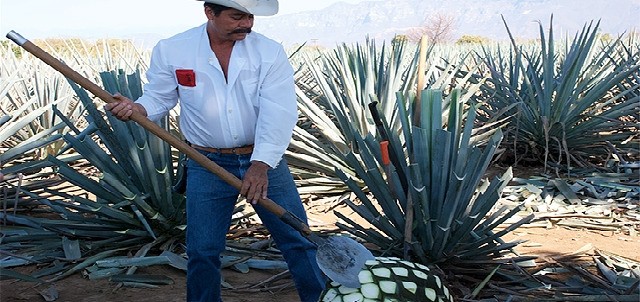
(237,107)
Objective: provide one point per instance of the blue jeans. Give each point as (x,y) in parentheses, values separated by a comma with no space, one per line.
(210,203)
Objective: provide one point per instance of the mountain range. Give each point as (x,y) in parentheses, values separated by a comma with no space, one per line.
(383,19)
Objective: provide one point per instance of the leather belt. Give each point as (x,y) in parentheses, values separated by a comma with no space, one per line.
(248,149)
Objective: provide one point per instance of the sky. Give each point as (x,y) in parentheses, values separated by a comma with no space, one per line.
(36,19)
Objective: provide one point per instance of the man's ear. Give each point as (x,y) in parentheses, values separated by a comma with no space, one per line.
(209,13)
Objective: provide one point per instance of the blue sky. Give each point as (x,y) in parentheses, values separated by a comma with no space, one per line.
(36,19)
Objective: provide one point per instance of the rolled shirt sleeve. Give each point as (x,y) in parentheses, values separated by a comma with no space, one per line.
(278,112)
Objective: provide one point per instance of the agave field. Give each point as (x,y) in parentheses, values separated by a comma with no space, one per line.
(404,135)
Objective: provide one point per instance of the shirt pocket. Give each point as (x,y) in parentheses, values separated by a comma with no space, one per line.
(185,93)
(187,81)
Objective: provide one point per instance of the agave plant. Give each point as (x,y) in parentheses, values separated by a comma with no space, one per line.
(566,103)
(31,92)
(441,214)
(131,179)
(127,202)
(30,115)
(335,88)
(30,99)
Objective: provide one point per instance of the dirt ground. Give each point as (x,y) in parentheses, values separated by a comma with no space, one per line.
(540,241)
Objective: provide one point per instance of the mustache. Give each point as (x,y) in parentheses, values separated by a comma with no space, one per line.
(241,31)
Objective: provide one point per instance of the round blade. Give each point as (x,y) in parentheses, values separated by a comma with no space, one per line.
(342,258)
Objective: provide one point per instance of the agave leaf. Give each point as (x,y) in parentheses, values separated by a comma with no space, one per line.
(14,261)
(5,273)
(175,260)
(367,234)
(5,118)
(35,142)
(142,279)
(381,222)
(56,267)
(135,261)
(71,249)
(482,284)
(88,206)
(266,264)
(138,285)
(97,274)
(91,151)
(26,221)
(87,262)
(361,195)
(11,128)
(144,221)
(80,180)
(566,191)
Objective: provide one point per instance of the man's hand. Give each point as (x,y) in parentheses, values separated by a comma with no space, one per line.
(124,107)
(255,182)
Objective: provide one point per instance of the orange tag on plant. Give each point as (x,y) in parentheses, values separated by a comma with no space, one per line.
(384,149)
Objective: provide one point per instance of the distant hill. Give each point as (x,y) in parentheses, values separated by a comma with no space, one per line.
(381,20)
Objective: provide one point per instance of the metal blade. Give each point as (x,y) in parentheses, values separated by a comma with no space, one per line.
(341,259)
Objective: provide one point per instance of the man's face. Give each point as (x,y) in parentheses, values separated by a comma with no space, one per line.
(231,24)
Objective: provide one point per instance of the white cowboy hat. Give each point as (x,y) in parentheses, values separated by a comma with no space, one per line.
(254,7)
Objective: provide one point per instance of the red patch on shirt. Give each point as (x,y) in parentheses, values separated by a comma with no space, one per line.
(186,77)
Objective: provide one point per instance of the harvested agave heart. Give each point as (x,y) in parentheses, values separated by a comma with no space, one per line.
(391,279)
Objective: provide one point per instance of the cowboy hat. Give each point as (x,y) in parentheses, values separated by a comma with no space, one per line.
(254,7)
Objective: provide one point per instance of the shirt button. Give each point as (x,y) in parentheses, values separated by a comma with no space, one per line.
(230,110)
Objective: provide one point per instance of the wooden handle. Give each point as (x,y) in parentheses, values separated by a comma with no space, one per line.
(152,127)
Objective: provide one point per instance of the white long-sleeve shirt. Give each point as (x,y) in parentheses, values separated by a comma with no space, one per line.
(255,105)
